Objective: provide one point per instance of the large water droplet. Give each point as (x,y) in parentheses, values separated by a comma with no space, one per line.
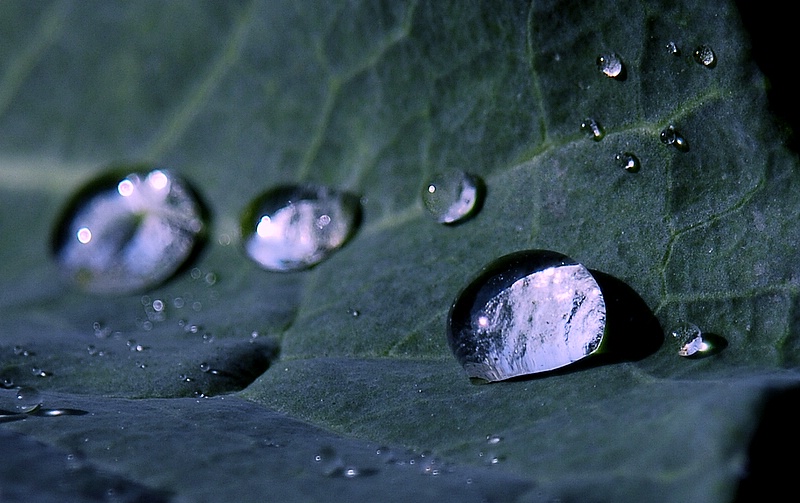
(527,312)
(611,65)
(453,196)
(671,136)
(705,56)
(290,228)
(121,234)
(627,161)
(592,129)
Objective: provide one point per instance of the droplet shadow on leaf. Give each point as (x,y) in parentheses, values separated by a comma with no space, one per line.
(234,368)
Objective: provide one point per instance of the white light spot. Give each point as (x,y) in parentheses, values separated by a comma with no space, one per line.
(125,188)
(158,180)
(84,235)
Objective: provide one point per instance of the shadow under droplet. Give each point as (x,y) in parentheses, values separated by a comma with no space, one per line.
(235,367)
(632,330)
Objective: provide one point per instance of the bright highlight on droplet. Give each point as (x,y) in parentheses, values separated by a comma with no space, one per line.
(290,228)
(120,234)
(125,188)
(84,235)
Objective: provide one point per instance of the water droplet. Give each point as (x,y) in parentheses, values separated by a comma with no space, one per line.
(627,161)
(693,343)
(6,383)
(705,56)
(123,234)
(527,312)
(290,228)
(330,462)
(28,399)
(672,48)
(22,351)
(453,196)
(592,129)
(493,439)
(40,372)
(355,313)
(671,136)
(611,65)
(158,305)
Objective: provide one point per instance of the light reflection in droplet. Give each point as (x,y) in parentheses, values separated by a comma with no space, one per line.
(125,188)
(84,235)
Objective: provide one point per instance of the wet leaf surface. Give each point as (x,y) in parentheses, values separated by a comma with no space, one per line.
(373,98)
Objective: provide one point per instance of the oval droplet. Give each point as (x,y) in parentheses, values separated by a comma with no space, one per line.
(294,227)
(671,136)
(629,162)
(28,399)
(611,66)
(693,343)
(592,129)
(705,56)
(527,312)
(122,234)
(453,196)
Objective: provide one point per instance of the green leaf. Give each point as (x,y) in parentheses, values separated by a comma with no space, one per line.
(373,97)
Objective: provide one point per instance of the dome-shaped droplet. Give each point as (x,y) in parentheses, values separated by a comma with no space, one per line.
(453,196)
(592,129)
(627,161)
(126,233)
(673,49)
(611,65)
(527,312)
(671,136)
(693,343)
(705,56)
(289,228)
(28,399)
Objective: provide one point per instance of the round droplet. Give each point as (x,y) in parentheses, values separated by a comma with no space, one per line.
(122,234)
(592,129)
(611,65)
(527,312)
(693,343)
(671,136)
(627,161)
(453,196)
(705,56)
(673,49)
(291,228)
(28,399)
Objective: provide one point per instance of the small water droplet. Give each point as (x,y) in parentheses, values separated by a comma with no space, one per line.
(28,399)
(670,136)
(627,161)
(693,343)
(6,383)
(673,49)
(158,305)
(120,234)
(205,367)
(330,462)
(23,351)
(611,65)
(529,292)
(705,56)
(453,196)
(355,313)
(284,228)
(40,372)
(493,439)
(592,129)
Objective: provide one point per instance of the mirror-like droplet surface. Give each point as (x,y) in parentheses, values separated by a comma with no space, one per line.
(611,65)
(127,233)
(671,136)
(453,196)
(294,227)
(527,312)
(629,162)
(705,56)
(592,129)
(693,343)
(672,48)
